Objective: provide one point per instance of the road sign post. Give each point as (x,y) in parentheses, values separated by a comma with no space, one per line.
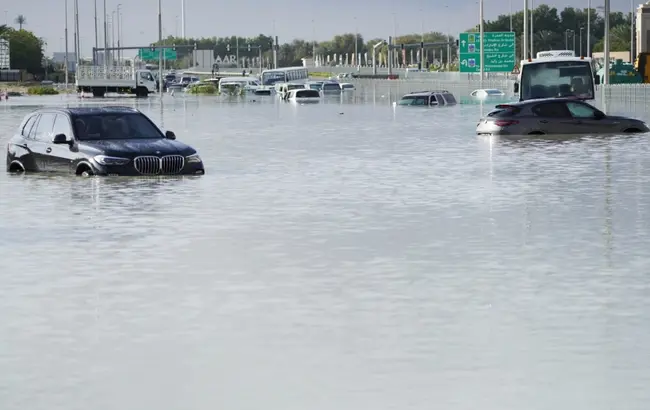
(149,54)
(500,52)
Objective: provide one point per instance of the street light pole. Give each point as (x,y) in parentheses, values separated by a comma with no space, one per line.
(118,34)
(606,45)
(67,58)
(113,37)
(525,40)
(105,54)
(588,28)
(581,28)
(532,32)
(482,32)
(160,50)
(632,54)
(96,36)
(356,42)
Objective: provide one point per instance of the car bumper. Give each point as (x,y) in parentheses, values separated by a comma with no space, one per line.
(488,128)
(193,168)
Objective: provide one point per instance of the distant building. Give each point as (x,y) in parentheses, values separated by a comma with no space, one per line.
(58,58)
(5,62)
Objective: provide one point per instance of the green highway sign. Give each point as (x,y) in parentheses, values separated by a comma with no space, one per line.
(147,54)
(499,52)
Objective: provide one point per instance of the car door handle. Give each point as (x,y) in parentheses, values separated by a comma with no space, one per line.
(543,121)
(48,150)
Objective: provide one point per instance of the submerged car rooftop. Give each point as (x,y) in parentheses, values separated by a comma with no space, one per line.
(539,100)
(111,109)
(428,92)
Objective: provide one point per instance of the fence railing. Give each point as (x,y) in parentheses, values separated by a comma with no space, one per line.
(631,97)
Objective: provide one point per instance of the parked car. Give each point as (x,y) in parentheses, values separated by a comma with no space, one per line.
(98,141)
(487,93)
(555,116)
(432,98)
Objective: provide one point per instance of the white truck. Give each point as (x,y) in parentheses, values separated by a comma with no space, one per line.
(100,80)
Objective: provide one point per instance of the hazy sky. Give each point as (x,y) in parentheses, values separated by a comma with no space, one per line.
(287,19)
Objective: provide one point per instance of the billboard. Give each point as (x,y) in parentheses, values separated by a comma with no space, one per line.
(4,55)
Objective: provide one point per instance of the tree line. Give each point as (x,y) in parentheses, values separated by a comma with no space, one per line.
(25,49)
(553,30)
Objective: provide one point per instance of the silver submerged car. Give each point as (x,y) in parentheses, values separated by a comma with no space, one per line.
(555,116)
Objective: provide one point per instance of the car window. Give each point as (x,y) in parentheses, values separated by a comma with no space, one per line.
(504,111)
(449,98)
(28,126)
(62,126)
(581,110)
(420,101)
(114,126)
(44,127)
(552,110)
(433,100)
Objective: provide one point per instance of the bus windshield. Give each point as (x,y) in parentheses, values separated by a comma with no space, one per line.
(557,79)
(270,78)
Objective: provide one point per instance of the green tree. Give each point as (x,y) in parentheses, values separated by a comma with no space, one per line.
(21,21)
(25,51)
(619,39)
(551,27)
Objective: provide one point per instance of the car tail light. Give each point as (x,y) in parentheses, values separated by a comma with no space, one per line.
(505,123)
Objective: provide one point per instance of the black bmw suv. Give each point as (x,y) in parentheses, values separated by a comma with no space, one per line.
(98,141)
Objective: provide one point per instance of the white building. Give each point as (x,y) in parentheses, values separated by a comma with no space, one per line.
(5,62)
(643,28)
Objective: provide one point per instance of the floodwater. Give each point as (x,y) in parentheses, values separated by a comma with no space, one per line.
(335,256)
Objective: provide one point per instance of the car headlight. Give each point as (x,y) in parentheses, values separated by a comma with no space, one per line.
(106,160)
(193,159)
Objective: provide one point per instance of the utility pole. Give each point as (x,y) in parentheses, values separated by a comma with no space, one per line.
(96,37)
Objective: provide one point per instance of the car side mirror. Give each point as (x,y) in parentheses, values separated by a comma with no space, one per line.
(170,135)
(60,139)
(600,115)
(597,79)
(516,87)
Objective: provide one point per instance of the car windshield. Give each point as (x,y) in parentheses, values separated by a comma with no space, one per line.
(273,77)
(557,79)
(331,87)
(113,126)
(413,100)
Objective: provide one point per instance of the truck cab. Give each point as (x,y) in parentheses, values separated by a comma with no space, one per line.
(146,79)
(557,73)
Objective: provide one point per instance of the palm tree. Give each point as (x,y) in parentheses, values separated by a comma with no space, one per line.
(21,21)
(3,29)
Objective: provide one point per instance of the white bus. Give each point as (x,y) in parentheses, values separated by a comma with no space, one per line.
(290,75)
(557,73)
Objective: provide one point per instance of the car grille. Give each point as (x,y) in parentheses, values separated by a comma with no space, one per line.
(150,165)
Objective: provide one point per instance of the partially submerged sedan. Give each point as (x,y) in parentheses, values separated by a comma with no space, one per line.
(555,116)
